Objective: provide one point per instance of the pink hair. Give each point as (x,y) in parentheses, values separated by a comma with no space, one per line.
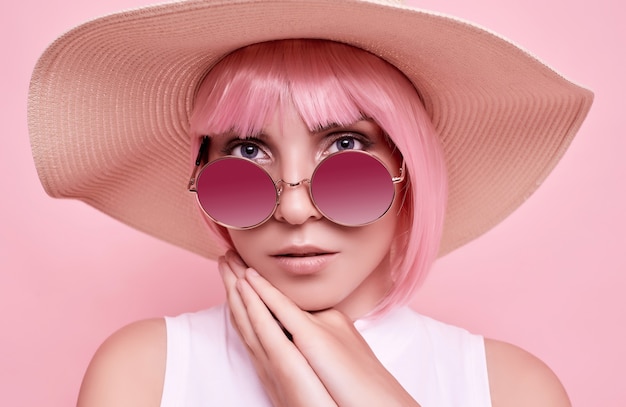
(329,82)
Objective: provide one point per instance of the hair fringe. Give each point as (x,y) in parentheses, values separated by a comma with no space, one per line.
(329,82)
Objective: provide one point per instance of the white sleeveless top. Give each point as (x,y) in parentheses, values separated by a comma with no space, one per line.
(438,364)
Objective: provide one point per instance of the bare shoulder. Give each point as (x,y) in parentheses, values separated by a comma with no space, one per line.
(517,378)
(128,369)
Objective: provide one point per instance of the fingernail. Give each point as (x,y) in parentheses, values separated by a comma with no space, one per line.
(252,272)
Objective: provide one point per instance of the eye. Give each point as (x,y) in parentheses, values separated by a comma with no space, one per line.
(247,150)
(346,142)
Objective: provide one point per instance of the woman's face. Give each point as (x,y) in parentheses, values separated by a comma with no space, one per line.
(315,262)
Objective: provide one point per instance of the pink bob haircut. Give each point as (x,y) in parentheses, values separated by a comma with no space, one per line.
(329,82)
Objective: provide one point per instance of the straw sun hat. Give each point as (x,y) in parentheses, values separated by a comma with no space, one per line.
(110,100)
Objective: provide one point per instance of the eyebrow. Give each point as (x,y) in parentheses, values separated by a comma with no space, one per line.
(320,128)
(234,134)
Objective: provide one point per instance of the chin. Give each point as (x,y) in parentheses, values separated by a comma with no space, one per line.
(314,306)
(312,301)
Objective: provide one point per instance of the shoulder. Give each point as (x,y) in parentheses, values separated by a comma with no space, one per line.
(517,378)
(128,368)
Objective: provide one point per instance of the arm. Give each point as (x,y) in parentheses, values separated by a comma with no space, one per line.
(128,369)
(517,378)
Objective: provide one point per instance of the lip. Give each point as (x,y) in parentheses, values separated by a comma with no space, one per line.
(303,260)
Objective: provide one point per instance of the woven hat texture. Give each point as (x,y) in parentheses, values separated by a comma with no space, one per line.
(110,101)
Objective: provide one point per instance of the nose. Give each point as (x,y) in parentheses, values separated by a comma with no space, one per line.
(294,204)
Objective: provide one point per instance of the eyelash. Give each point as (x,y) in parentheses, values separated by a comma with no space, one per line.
(329,142)
(238,142)
(365,141)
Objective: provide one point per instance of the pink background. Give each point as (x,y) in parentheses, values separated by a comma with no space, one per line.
(550,278)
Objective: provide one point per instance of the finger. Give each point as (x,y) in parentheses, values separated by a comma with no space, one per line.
(232,296)
(236,263)
(294,382)
(267,328)
(238,266)
(238,312)
(228,276)
(286,311)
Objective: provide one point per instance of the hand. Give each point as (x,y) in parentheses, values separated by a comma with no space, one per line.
(328,358)
(286,375)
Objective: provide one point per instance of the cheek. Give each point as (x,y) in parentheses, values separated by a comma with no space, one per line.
(242,241)
(372,243)
(379,238)
(250,245)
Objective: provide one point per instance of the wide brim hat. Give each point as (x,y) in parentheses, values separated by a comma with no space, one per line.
(110,102)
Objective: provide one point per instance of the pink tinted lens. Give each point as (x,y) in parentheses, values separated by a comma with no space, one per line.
(236,192)
(352,188)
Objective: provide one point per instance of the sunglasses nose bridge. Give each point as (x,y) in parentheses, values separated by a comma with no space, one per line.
(299,206)
(282,184)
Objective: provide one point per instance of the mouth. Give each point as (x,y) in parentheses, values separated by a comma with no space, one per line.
(302,251)
(295,255)
(303,260)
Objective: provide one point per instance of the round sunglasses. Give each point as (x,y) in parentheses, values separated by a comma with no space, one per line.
(350,188)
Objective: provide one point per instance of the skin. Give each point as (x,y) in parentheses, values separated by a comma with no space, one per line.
(272,271)
(282,248)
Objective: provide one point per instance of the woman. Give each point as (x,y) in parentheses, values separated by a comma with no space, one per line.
(302,266)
